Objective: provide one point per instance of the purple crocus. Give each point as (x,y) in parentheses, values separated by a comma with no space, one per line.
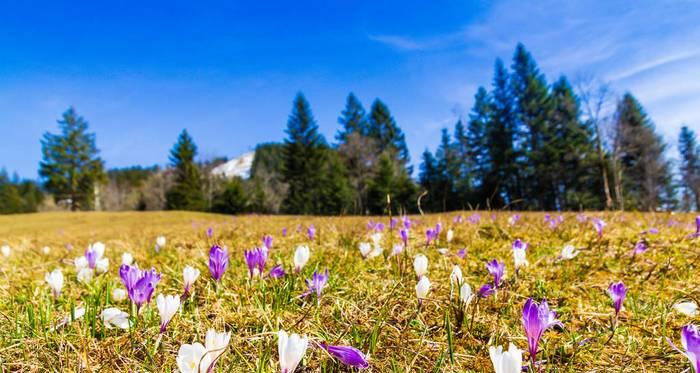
(430,235)
(379,227)
(210,232)
(462,253)
(218,262)
(284,232)
(640,247)
(267,241)
(347,355)
(311,232)
(697,227)
(277,271)
(537,318)
(496,269)
(316,284)
(474,219)
(139,285)
(392,223)
(598,224)
(690,340)
(458,219)
(518,244)
(91,257)
(617,292)
(255,259)
(403,232)
(486,291)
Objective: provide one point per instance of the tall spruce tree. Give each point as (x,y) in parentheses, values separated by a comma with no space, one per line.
(477,154)
(353,119)
(429,178)
(71,167)
(389,137)
(186,193)
(689,169)
(532,111)
(449,165)
(645,180)
(390,180)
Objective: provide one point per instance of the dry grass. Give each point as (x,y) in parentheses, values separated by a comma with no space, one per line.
(368,304)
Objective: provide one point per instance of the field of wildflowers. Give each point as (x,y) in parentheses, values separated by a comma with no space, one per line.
(460,292)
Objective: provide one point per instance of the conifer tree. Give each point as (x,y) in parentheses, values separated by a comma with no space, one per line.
(186,192)
(353,119)
(389,137)
(477,155)
(71,167)
(390,180)
(689,169)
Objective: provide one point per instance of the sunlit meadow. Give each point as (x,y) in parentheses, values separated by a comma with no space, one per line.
(590,292)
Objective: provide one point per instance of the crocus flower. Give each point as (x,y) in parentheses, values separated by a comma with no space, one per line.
(5,249)
(617,292)
(189,276)
(474,219)
(513,219)
(458,219)
(45,250)
(218,262)
(456,276)
(210,232)
(379,227)
(537,318)
(193,358)
(430,235)
(284,232)
(686,308)
(160,242)
(486,290)
(365,249)
(403,232)
(267,241)
(438,229)
(347,355)
(450,235)
(598,224)
(422,289)
(55,281)
(420,265)
(277,271)
(461,253)
(465,294)
(216,344)
(510,361)
(519,253)
(93,259)
(568,252)
(291,350)
(640,247)
(256,259)
(396,250)
(167,308)
(114,317)
(127,259)
(311,232)
(690,340)
(496,269)
(316,284)
(140,285)
(118,294)
(301,257)
(392,223)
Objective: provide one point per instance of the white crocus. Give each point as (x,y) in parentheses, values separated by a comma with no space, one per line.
(456,276)
(465,294)
(193,358)
(301,257)
(376,238)
(114,317)
(377,251)
(5,251)
(420,265)
(519,257)
(80,263)
(450,235)
(101,265)
(423,288)
(99,248)
(687,308)
(189,276)
(55,281)
(568,252)
(510,361)
(365,249)
(160,242)
(46,250)
(216,343)
(127,259)
(167,308)
(291,350)
(118,294)
(85,275)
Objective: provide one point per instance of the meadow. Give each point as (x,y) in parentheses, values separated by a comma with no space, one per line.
(370,298)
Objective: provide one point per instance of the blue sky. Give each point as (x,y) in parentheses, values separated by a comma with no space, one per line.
(228,72)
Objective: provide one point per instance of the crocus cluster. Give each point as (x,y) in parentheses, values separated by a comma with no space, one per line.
(552,221)
(537,318)
(255,259)
(139,284)
(218,262)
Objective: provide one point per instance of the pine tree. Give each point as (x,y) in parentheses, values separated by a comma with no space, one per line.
(532,110)
(689,169)
(70,166)
(389,137)
(645,180)
(353,119)
(449,164)
(430,179)
(503,183)
(186,192)
(302,159)
(390,180)
(476,153)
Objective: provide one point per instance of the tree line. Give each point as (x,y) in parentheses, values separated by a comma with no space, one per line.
(526,144)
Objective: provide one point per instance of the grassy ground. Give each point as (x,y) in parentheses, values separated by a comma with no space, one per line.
(368,304)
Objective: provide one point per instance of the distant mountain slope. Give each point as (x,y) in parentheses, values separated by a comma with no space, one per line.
(239,166)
